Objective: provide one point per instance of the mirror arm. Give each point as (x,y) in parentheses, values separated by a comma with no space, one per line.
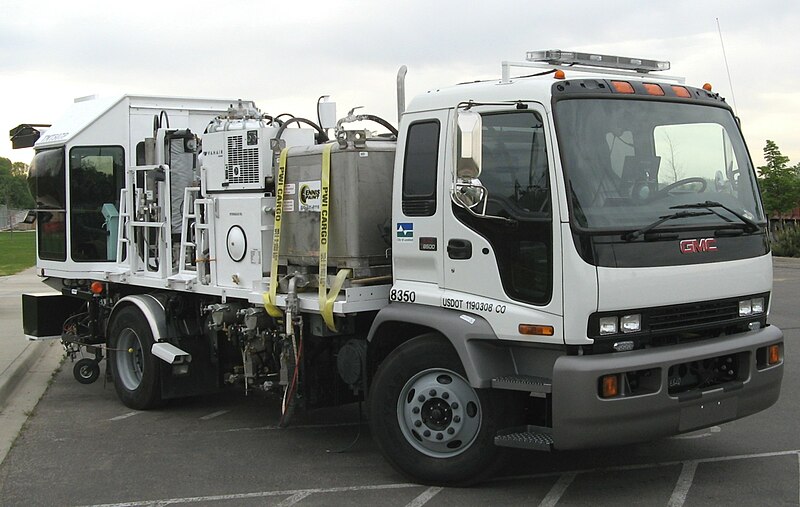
(482,214)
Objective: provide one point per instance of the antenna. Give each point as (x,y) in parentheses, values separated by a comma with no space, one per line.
(727,68)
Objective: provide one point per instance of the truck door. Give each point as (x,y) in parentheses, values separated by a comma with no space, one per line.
(507,269)
(418,206)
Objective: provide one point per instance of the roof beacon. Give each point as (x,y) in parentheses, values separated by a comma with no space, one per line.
(558,57)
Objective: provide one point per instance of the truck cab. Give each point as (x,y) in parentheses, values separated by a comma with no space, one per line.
(590,239)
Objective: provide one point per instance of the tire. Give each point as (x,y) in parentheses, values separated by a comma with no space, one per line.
(135,369)
(428,422)
(86,371)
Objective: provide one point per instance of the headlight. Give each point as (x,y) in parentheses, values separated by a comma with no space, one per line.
(631,323)
(608,325)
(745,307)
(751,307)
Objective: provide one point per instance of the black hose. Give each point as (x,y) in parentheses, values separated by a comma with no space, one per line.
(319,119)
(166,117)
(290,115)
(378,119)
(323,137)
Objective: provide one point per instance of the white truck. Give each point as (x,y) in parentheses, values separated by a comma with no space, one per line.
(573,258)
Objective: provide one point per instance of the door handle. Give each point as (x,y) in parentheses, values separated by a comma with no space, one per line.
(459,249)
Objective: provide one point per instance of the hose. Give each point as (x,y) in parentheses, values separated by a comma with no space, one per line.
(378,119)
(323,137)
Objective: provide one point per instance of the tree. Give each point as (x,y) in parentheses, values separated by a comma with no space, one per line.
(779,182)
(13,186)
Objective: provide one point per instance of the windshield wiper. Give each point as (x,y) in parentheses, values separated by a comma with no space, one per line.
(678,214)
(751,226)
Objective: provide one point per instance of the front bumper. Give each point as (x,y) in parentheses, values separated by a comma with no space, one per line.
(582,419)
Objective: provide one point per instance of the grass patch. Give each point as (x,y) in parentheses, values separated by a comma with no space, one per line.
(17,251)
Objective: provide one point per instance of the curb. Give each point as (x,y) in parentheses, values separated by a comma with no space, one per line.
(16,371)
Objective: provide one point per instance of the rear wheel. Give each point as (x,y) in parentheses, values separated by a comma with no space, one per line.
(428,422)
(135,369)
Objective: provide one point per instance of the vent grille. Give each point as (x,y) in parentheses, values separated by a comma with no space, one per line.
(242,166)
(421,208)
(693,315)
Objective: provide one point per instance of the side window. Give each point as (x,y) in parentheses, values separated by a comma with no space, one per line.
(515,174)
(47,182)
(420,168)
(515,165)
(95,177)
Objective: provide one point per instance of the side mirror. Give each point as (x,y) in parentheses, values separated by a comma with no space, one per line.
(470,142)
(469,194)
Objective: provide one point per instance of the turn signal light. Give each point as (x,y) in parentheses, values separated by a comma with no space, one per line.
(773,354)
(609,386)
(707,87)
(536,330)
(559,74)
(96,287)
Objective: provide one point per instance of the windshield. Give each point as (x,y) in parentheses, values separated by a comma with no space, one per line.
(631,162)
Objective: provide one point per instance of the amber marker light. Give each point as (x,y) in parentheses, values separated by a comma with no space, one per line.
(622,86)
(707,87)
(96,287)
(653,89)
(609,386)
(536,330)
(773,354)
(680,91)
(559,74)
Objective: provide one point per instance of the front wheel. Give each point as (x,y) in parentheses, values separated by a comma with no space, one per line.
(427,420)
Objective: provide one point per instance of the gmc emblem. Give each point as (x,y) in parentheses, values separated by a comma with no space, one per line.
(698,245)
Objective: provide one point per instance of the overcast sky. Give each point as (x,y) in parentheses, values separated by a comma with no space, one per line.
(284,55)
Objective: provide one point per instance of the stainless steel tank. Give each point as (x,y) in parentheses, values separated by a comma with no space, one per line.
(359,209)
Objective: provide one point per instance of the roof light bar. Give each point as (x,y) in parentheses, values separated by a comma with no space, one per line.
(558,57)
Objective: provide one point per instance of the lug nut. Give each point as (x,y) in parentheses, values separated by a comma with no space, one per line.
(439,436)
(457,419)
(455,406)
(417,423)
(427,433)
(433,392)
(445,395)
(450,431)
(415,410)
(421,398)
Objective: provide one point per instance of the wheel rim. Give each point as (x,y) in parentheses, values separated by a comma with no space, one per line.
(86,372)
(439,413)
(129,359)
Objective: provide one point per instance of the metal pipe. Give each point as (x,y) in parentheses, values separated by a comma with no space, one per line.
(401,92)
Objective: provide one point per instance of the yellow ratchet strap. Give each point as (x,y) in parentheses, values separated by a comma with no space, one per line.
(326,299)
(270,297)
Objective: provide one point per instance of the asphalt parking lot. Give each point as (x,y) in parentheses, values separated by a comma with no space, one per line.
(81,446)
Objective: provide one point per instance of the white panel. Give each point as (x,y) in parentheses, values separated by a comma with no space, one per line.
(643,287)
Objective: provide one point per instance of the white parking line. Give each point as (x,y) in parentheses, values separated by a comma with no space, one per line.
(215,414)
(424,497)
(685,480)
(644,466)
(553,496)
(124,416)
(257,494)
(558,490)
(294,499)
